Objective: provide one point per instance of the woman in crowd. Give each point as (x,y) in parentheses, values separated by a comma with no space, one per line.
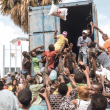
(20,78)
(84,100)
(14,85)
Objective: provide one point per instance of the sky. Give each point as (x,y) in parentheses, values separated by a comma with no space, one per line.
(9,31)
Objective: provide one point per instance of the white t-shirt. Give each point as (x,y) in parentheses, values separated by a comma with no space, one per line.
(82,105)
(8,101)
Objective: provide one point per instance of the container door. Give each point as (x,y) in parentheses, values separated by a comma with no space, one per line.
(95,21)
(42,27)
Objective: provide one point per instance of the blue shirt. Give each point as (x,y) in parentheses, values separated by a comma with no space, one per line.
(82,41)
(34,107)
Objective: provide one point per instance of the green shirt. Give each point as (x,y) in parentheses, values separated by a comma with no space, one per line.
(35,61)
(78,84)
(35,89)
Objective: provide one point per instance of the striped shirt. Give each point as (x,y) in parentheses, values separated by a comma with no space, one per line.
(104,60)
(82,41)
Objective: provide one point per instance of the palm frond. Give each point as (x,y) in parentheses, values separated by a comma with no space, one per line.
(46,2)
(18,10)
(16,14)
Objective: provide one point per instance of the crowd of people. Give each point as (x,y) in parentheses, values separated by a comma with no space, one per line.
(63,83)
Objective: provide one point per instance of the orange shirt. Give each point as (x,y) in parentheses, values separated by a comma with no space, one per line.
(107,45)
(52,55)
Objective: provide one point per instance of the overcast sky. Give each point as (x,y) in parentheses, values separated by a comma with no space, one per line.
(9,31)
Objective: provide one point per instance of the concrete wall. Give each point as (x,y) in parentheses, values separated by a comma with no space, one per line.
(13,60)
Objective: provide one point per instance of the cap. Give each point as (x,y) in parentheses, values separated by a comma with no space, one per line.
(84,31)
(64,33)
(53,76)
(8,73)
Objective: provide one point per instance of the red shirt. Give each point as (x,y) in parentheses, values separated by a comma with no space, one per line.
(52,55)
(5,87)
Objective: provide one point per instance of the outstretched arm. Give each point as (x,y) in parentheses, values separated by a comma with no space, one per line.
(102,78)
(98,29)
(74,85)
(87,76)
(63,46)
(99,45)
(55,35)
(92,28)
(36,48)
(94,61)
(45,73)
(40,50)
(65,60)
(46,99)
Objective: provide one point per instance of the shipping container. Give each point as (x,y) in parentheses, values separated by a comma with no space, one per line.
(41,26)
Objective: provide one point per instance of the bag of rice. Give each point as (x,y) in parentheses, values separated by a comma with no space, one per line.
(58,12)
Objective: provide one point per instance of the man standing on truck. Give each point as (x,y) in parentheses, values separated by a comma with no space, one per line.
(105,37)
(83,43)
(61,38)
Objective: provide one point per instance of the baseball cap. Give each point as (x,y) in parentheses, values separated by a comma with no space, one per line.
(64,33)
(8,73)
(53,76)
(84,31)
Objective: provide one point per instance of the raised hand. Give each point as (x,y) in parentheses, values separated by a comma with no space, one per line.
(86,71)
(80,62)
(35,98)
(47,58)
(65,53)
(91,23)
(41,46)
(67,72)
(55,32)
(96,42)
(45,93)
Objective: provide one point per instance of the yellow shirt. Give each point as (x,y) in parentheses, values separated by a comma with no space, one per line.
(10,88)
(55,92)
(60,42)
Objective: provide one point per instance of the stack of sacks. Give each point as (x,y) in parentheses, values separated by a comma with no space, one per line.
(105,73)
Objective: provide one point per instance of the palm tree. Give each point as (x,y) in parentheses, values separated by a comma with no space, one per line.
(18,11)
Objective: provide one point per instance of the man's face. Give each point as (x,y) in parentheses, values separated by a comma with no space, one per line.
(9,75)
(88,32)
(27,54)
(28,77)
(93,90)
(33,54)
(84,35)
(105,38)
(13,77)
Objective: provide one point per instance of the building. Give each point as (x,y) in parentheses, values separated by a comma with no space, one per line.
(12,55)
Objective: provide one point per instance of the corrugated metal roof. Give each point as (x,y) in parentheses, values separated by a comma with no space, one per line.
(19,38)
